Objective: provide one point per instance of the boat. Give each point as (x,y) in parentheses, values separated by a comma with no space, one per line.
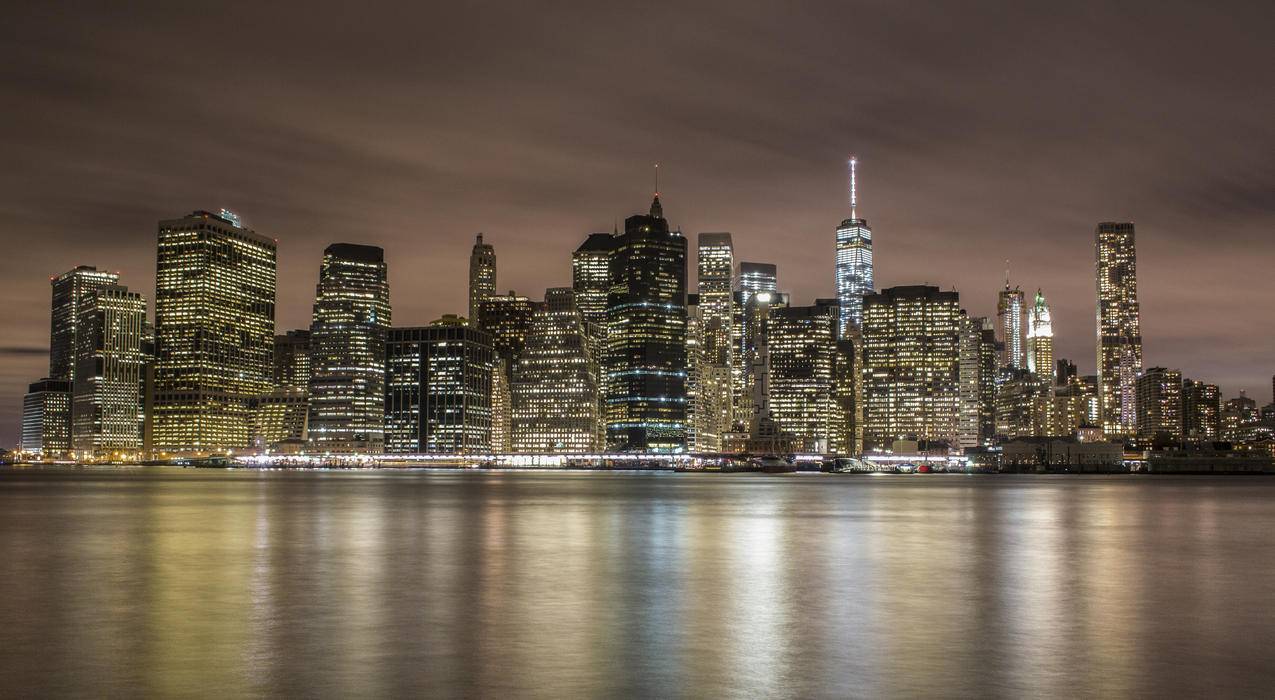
(774,464)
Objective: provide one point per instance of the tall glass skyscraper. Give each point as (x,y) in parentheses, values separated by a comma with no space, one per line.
(645,358)
(438,389)
(214,332)
(1009,322)
(1119,328)
(554,387)
(754,278)
(715,261)
(106,396)
(347,350)
(591,277)
(854,261)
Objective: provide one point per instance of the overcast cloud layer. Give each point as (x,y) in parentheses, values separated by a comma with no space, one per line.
(986,132)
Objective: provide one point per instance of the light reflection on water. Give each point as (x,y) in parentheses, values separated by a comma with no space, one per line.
(185,582)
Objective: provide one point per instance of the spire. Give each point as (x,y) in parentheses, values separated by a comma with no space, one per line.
(657,211)
(854,200)
(1007,273)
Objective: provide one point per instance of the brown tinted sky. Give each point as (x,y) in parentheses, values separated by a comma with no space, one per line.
(986,132)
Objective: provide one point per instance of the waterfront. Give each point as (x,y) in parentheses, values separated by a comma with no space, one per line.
(165,581)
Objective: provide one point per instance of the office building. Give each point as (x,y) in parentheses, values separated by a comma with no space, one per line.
(1238,416)
(106,396)
(438,389)
(1118,329)
(715,281)
(68,289)
(1022,404)
(482,275)
(591,278)
(555,406)
(46,419)
(347,351)
(292,359)
(754,278)
(214,332)
(645,357)
(1201,411)
(803,357)
(1040,339)
(977,392)
(911,366)
(1159,401)
(854,261)
(1009,323)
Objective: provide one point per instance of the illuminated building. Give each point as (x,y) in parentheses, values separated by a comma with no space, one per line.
(911,363)
(292,359)
(68,289)
(106,395)
(707,386)
(283,414)
(645,357)
(1238,414)
(347,350)
(977,391)
(754,278)
(715,282)
(1009,322)
(1040,339)
(802,344)
(1201,411)
(751,313)
(1159,401)
(46,419)
(214,332)
(845,423)
(438,389)
(482,275)
(1069,407)
(591,277)
(554,387)
(1119,328)
(854,262)
(1022,405)
(507,320)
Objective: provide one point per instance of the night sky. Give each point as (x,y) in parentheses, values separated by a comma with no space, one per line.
(985,132)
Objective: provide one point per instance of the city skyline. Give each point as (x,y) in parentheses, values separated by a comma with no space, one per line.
(952,185)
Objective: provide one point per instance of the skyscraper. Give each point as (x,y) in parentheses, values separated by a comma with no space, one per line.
(1159,400)
(645,358)
(591,277)
(1040,339)
(1009,322)
(506,318)
(977,392)
(802,344)
(292,359)
(347,350)
(554,388)
(1119,328)
(854,261)
(283,414)
(438,389)
(1201,411)
(68,289)
(214,332)
(106,396)
(46,419)
(911,365)
(482,275)
(754,278)
(715,263)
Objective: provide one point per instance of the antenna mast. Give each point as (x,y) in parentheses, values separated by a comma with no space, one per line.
(854,200)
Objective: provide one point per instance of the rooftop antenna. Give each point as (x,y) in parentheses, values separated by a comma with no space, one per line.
(854,200)
(657,179)
(1006,273)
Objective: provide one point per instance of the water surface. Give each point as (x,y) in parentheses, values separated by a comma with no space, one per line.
(549,584)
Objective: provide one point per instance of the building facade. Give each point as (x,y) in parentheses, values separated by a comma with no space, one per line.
(438,389)
(68,288)
(106,396)
(977,392)
(911,366)
(1159,401)
(803,359)
(1201,411)
(1040,339)
(645,357)
(46,419)
(591,278)
(214,332)
(347,351)
(1119,328)
(1009,323)
(554,388)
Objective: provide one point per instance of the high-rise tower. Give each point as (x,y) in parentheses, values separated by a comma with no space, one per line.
(645,358)
(68,289)
(347,350)
(482,276)
(1040,339)
(591,278)
(1009,324)
(854,261)
(106,396)
(214,332)
(1119,328)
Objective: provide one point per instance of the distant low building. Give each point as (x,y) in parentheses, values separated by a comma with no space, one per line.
(1033,454)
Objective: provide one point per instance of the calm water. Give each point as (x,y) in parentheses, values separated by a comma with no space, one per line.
(216,583)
